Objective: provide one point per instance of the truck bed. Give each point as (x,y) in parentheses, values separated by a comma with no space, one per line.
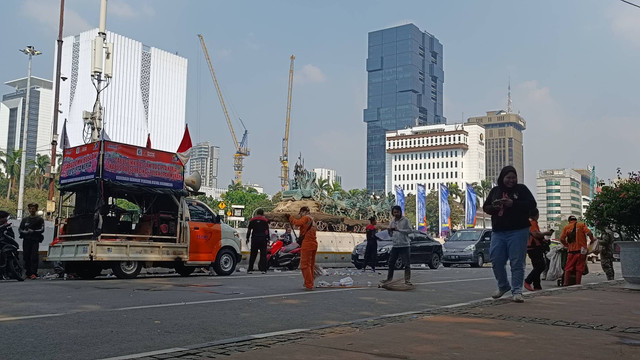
(118,250)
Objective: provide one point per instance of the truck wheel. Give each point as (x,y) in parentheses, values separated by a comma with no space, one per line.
(225,262)
(126,269)
(184,270)
(89,271)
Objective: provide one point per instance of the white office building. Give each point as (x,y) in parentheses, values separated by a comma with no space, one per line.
(328,174)
(433,155)
(146,95)
(560,193)
(204,159)
(12,116)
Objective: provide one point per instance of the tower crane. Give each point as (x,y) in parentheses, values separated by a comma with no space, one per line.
(242,149)
(284,159)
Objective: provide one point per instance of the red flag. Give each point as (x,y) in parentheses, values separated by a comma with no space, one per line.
(148,141)
(185,144)
(184,150)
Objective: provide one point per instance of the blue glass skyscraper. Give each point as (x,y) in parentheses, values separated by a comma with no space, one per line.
(405,78)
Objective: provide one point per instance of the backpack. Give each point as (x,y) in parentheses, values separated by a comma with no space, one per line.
(571,236)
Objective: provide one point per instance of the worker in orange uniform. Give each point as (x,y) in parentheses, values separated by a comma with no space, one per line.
(308,245)
(574,238)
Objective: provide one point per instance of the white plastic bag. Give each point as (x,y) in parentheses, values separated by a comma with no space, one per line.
(555,265)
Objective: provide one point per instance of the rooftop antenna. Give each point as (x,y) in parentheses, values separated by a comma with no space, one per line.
(509,104)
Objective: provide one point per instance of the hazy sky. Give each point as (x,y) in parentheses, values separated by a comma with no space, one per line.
(573,66)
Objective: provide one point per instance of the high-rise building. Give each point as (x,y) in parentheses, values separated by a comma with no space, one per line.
(560,193)
(204,159)
(434,155)
(328,174)
(146,95)
(12,116)
(404,88)
(503,131)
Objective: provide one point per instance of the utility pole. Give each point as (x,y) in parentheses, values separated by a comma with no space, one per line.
(56,109)
(31,52)
(101,65)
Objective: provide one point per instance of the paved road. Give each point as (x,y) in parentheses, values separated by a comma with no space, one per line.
(109,317)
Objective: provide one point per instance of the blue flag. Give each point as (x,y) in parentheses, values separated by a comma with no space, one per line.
(421,207)
(470,207)
(445,211)
(400,197)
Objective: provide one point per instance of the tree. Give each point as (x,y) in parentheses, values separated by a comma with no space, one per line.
(324,186)
(410,208)
(456,192)
(39,170)
(11,164)
(616,205)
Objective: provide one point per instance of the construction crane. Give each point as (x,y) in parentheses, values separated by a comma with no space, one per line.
(284,159)
(242,149)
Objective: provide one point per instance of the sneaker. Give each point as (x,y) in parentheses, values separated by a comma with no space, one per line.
(249,271)
(408,283)
(499,293)
(385,281)
(528,286)
(518,298)
(264,272)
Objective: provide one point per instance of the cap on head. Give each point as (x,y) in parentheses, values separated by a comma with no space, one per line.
(304,209)
(572,218)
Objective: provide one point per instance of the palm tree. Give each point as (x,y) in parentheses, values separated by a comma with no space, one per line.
(483,191)
(337,188)
(11,163)
(456,192)
(39,169)
(324,186)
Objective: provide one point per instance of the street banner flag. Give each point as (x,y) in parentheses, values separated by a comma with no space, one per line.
(445,211)
(64,139)
(184,150)
(400,197)
(421,207)
(470,207)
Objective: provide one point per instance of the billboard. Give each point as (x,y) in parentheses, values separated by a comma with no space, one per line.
(79,163)
(138,165)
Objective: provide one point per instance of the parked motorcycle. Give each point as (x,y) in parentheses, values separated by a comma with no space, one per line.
(283,253)
(10,267)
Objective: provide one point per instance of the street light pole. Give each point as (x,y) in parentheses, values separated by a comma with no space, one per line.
(56,107)
(29,51)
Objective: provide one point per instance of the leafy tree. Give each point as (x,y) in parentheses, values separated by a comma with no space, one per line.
(456,193)
(39,170)
(616,205)
(11,163)
(410,208)
(250,198)
(337,188)
(324,186)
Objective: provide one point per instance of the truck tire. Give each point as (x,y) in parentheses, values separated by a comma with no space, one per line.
(225,263)
(126,269)
(184,270)
(88,271)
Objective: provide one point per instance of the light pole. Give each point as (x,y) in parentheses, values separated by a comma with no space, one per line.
(29,51)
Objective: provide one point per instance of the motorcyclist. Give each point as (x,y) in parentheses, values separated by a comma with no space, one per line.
(287,237)
(7,236)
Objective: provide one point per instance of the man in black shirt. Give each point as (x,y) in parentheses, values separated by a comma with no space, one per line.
(258,232)
(31,229)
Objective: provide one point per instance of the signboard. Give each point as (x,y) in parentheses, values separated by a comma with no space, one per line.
(138,165)
(221,205)
(79,163)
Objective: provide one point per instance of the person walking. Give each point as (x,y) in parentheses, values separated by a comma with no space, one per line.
(371,250)
(308,245)
(535,250)
(509,205)
(399,229)
(30,230)
(605,244)
(258,231)
(574,238)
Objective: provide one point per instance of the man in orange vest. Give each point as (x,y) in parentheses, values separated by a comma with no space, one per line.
(574,238)
(309,246)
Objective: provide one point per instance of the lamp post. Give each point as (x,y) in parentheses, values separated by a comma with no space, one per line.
(29,51)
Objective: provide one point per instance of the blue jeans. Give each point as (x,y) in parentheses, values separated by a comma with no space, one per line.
(509,245)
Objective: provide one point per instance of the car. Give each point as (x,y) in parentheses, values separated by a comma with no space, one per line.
(424,250)
(467,246)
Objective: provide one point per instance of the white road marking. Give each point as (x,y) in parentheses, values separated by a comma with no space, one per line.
(187,303)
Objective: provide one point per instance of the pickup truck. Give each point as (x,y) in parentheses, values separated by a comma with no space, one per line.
(124,207)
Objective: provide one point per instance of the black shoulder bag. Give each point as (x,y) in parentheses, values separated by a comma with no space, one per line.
(301,237)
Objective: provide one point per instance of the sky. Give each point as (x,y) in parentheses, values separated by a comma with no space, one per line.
(572,66)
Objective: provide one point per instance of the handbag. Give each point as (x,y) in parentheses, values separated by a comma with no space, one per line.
(571,236)
(301,237)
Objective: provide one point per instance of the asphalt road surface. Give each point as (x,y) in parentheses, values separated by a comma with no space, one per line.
(108,317)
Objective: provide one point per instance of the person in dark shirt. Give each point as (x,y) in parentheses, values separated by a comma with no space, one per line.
(31,229)
(371,250)
(258,232)
(509,205)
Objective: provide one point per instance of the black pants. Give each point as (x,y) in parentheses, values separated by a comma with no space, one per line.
(30,256)
(537,260)
(258,244)
(370,256)
(403,253)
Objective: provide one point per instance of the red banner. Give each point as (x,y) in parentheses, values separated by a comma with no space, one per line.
(80,163)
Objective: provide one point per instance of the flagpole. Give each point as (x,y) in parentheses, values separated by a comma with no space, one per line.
(439,210)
